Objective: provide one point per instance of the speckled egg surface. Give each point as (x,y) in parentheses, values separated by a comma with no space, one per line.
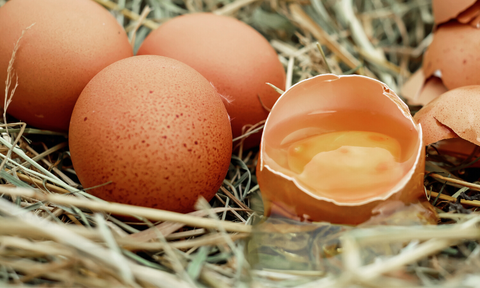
(70,42)
(156,129)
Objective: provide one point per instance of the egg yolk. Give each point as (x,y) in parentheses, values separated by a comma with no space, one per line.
(346,162)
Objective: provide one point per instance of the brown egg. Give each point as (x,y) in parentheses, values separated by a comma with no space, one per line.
(232,55)
(453,55)
(453,114)
(336,148)
(155,129)
(70,42)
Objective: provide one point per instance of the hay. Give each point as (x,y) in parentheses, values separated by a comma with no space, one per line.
(58,235)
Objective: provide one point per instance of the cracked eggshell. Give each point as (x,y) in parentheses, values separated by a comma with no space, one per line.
(70,42)
(445,10)
(453,114)
(453,55)
(420,91)
(464,11)
(156,129)
(284,194)
(237,59)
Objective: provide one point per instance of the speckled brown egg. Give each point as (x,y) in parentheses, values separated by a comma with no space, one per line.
(70,42)
(155,130)
(237,59)
(453,55)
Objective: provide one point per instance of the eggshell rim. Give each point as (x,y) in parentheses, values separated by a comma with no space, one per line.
(405,179)
(457,10)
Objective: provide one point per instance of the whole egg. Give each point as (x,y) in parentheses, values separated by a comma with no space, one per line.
(153,131)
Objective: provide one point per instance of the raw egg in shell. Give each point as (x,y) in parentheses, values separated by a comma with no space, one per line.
(336,147)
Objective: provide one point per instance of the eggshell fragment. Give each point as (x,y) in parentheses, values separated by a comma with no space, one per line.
(412,87)
(156,129)
(433,130)
(432,89)
(444,10)
(453,55)
(419,91)
(285,193)
(453,114)
(70,42)
(470,15)
(237,59)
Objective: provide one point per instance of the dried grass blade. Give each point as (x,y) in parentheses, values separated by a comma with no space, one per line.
(307,23)
(474,203)
(114,250)
(39,183)
(129,14)
(167,228)
(233,7)
(196,265)
(234,199)
(12,179)
(49,175)
(472,186)
(49,164)
(141,19)
(10,74)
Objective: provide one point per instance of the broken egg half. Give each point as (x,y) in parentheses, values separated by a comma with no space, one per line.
(336,147)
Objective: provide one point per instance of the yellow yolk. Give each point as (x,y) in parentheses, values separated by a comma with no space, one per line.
(346,161)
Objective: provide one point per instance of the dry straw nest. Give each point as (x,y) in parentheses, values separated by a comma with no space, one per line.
(57,235)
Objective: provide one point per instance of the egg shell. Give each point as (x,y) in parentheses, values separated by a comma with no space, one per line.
(283,194)
(156,128)
(453,52)
(471,15)
(453,114)
(420,91)
(444,10)
(237,59)
(70,42)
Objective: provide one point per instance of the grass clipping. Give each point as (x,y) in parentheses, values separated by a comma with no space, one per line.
(54,234)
